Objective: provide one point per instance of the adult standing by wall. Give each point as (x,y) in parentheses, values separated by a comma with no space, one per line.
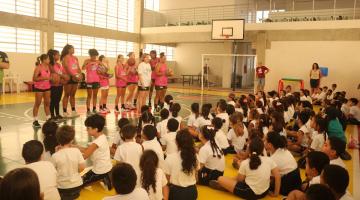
(315,76)
(261,71)
(4,64)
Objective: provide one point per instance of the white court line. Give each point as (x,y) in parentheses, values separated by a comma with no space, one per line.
(29,117)
(14,116)
(356,168)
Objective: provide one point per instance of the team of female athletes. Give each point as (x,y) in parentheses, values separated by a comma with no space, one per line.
(57,73)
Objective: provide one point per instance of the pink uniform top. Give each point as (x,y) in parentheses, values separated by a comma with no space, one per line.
(72,65)
(121,71)
(104,81)
(92,75)
(132,76)
(153,63)
(44,84)
(58,69)
(162,80)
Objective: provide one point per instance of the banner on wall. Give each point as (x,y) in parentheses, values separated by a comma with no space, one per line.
(324,71)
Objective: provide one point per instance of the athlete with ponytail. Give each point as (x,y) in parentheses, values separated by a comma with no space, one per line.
(253,180)
(181,168)
(161,81)
(211,157)
(73,72)
(42,86)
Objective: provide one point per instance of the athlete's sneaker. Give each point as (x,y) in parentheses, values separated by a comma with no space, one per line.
(74,114)
(103,111)
(66,115)
(36,124)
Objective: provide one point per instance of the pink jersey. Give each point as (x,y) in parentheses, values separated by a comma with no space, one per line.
(44,84)
(121,71)
(72,65)
(92,75)
(153,63)
(58,69)
(163,79)
(132,76)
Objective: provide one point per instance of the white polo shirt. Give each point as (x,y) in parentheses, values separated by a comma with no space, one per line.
(66,162)
(225,126)
(191,120)
(221,140)
(169,140)
(258,179)
(237,141)
(318,141)
(174,169)
(201,121)
(161,127)
(161,181)
(284,160)
(137,194)
(101,156)
(206,157)
(338,161)
(47,175)
(156,147)
(144,70)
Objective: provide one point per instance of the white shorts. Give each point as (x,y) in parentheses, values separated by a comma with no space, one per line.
(104,87)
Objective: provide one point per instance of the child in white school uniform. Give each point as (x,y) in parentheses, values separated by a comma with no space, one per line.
(181,168)
(334,147)
(153,178)
(32,153)
(302,136)
(50,143)
(168,141)
(117,138)
(195,113)
(150,142)
(211,157)
(98,152)
(275,144)
(69,162)
(174,110)
(253,180)
(238,134)
(220,137)
(124,178)
(319,135)
(221,113)
(130,151)
(161,126)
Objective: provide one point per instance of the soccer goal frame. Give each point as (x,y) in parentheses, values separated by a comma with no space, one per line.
(233,67)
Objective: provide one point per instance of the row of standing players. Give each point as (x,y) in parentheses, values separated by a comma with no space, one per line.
(57,75)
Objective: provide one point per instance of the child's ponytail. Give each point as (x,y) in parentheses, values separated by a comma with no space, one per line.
(175,109)
(256,148)
(209,134)
(37,61)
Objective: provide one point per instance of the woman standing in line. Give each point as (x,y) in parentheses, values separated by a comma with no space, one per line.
(72,69)
(144,71)
(315,76)
(133,79)
(161,81)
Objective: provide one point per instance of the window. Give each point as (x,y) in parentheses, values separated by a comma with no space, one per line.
(82,44)
(264,14)
(169,51)
(152,5)
(110,14)
(19,40)
(21,7)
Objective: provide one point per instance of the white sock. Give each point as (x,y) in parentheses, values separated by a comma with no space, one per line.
(35,118)
(48,117)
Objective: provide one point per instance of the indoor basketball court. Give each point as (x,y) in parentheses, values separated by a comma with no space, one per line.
(235,99)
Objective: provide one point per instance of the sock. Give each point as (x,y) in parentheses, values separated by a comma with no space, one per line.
(94,107)
(104,105)
(88,109)
(135,101)
(161,105)
(155,105)
(48,117)
(64,110)
(100,107)
(117,107)
(35,118)
(122,105)
(73,109)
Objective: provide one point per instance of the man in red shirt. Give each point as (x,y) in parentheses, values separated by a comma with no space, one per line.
(261,70)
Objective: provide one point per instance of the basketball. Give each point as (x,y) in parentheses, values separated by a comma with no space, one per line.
(102,69)
(55,78)
(170,72)
(64,79)
(77,77)
(131,62)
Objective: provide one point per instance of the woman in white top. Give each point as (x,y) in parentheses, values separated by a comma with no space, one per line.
(211,157)
(275,144)
(315,76)
(253,180)
(181,168)
(153,179)
(144,72)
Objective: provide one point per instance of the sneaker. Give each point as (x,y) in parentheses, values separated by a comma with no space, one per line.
(66,115)
(59,118)
(74,114)
(95,111)
(107,110)
(36,124)
(215,185)
(103,111)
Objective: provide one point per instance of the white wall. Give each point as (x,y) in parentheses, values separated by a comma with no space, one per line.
(176,4)
(188,60)
(294,59)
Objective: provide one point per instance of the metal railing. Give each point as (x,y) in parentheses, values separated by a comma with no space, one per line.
(250,12)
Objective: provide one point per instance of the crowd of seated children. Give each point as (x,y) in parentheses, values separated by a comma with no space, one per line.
(159,160)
